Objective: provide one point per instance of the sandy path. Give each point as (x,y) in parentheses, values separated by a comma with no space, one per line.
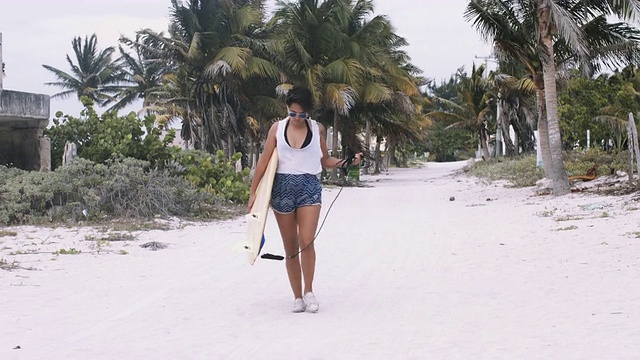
(403,273)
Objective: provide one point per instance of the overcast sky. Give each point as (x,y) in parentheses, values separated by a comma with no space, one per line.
(37,32)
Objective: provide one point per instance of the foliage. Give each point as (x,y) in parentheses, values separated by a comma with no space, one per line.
(445,144)
(579,162)
(92,75)
(85,190)
(523,172)
(214,173)
(461,118)
(553,34)
(446,90)
(520,172)
(211,47)
(108,137)
(579,103)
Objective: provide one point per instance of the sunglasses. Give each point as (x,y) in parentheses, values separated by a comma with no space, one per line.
(302,115)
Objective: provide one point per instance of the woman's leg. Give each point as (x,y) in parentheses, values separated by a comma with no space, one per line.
(307,218)
(289,232)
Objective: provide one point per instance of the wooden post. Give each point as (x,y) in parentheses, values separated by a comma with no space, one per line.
(636,145)
(631,150)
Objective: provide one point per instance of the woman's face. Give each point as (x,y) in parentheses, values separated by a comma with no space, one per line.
(297,113)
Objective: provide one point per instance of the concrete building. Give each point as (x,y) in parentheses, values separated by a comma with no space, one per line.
(23,118)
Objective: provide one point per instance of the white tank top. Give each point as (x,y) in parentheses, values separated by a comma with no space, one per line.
(299,161)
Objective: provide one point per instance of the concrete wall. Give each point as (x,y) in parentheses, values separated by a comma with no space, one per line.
(25,106)
(23,117)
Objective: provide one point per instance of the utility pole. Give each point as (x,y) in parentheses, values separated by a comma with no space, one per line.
(486,59)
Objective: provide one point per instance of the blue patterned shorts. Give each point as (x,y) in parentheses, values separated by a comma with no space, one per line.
(291,191)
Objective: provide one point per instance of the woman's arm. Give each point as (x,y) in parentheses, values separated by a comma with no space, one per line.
(263,162)
(329,162)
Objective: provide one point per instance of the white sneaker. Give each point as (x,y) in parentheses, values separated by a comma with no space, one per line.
(311,303)
(298,306)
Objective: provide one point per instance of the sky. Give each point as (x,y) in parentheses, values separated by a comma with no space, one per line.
(37,32)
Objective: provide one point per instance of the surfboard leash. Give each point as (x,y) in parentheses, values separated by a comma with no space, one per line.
(344,167)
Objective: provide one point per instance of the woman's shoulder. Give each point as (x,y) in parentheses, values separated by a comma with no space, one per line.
(275,124)
(320,126)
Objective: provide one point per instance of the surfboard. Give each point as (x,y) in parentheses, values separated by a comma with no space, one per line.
(257,218)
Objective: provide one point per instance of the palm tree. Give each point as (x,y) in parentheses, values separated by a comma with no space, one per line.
(313,54)
(350,60)
(513,109)
(471,109)
(390,83)
(93,74)
(210,44)
(141,78)
(544,33)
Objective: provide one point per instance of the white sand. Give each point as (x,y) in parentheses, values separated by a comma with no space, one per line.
(403,273)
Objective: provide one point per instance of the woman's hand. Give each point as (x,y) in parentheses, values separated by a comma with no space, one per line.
(356,159)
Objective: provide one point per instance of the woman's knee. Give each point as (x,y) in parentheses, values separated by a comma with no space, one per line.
(306,243)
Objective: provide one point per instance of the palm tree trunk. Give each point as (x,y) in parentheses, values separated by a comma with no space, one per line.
(510,145)
(636,145)
(543,132)
(378,156)
(482,134)
(560,181)
(334,145)
(503,126)
(367,144)
(391,152)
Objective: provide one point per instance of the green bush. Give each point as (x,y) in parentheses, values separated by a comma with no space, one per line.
(108,137)
(84,190)
(579,162)
(214,174)
(520,172)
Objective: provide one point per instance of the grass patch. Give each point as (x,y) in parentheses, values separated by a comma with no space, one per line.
(579,162)
(520,172)
(71,251)
(117,236)
(572,227)
(4,233)
(546,213)
(568,218)
(89,193)
(523,171)
(131,225)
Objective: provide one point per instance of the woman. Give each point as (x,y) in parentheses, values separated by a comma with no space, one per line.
(297,192)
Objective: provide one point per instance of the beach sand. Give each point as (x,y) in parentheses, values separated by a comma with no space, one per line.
(403,273)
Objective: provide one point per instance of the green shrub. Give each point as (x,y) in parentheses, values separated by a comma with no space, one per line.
(213,173)
(520,172)
(84,190)
(579,162)
(108,137)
